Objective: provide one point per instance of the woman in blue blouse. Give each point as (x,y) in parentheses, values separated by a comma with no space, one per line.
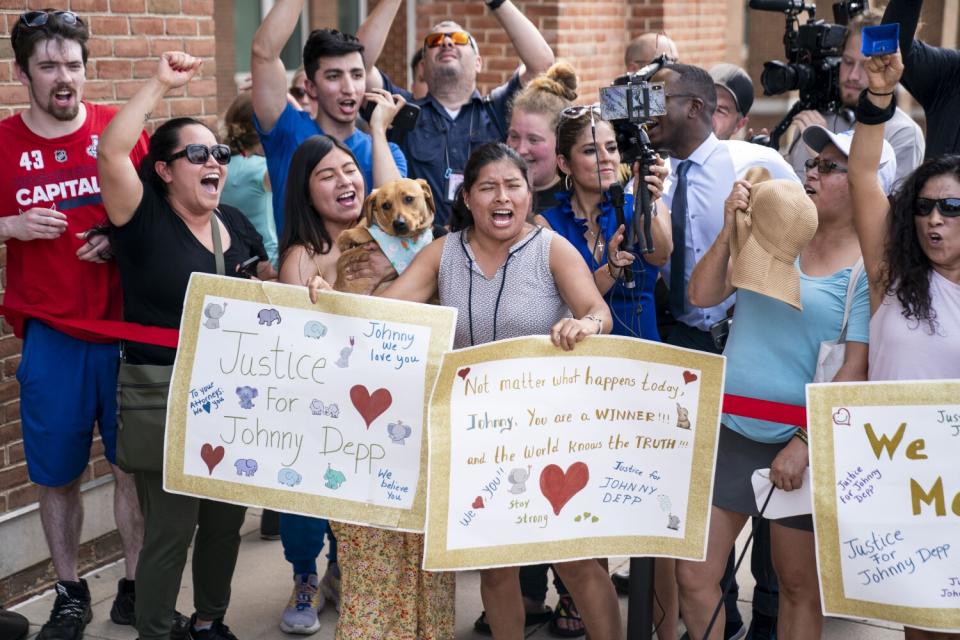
(588,157)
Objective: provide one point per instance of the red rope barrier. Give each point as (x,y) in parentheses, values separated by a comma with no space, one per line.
(736,405)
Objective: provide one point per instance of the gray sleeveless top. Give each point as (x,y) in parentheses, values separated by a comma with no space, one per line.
(521,299)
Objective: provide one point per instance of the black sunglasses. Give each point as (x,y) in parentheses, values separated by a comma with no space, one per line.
(199,154)
(824,167)
(34,19)
(949,207)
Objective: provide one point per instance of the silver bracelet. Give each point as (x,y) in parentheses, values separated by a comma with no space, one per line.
(597,320)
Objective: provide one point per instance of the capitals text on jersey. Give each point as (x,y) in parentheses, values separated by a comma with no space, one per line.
(70,189)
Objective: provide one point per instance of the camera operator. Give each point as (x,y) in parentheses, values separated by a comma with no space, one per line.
(929,74)
(901,132)
(734,99)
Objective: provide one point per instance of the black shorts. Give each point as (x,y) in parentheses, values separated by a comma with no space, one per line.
(737,458)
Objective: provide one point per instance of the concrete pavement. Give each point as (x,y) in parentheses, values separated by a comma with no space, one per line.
(262,585)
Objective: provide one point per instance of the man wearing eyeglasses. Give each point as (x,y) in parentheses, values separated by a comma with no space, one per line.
(335,80)
(901,131)
(59,268)
(454,118)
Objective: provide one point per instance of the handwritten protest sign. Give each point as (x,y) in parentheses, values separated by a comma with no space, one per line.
(540,455)
(887,500)
(313,409)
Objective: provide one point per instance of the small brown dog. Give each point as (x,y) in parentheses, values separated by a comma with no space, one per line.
(399,217)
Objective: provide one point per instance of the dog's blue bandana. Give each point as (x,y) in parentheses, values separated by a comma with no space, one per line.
(400,251)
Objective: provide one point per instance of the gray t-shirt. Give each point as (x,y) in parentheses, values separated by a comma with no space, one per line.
(520,299)
(903,134)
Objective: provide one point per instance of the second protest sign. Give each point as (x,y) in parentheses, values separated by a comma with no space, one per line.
(540,455)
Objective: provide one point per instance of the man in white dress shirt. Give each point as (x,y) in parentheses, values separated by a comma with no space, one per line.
(707,168)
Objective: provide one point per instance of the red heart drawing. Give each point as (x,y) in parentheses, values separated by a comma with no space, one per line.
(558,487)
(463,373)
(689,376)
(478,503)
(211,456)
(370,406)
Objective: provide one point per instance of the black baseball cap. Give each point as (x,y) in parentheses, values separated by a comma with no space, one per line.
(737,82)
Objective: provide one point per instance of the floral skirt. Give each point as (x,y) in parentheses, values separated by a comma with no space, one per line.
(384,592)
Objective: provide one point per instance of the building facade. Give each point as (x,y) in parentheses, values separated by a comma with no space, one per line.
(128,35)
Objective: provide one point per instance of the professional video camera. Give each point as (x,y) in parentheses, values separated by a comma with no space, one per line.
(631,102)
(813,53)
(628,104)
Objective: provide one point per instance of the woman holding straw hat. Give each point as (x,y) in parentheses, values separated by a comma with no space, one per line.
(789,252)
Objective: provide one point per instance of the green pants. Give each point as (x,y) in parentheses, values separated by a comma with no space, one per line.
(169,523)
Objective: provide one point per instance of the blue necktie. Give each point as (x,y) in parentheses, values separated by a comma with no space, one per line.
(678,216)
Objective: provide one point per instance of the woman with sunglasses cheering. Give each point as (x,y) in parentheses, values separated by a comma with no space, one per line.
(911,252)
(588,156)
(169,224)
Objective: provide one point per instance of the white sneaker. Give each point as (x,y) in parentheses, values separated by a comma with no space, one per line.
(306,602)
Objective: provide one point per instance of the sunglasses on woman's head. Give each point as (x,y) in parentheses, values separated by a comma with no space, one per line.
(199,153)
(434,40)
(949,207)
(35,19)
(298,93)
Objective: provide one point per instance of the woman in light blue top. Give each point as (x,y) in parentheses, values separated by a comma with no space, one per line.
(772,354)
(248,184)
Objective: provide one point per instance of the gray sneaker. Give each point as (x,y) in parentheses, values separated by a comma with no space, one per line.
(306,602)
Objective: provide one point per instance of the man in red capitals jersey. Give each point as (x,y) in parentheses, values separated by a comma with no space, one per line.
(59,268)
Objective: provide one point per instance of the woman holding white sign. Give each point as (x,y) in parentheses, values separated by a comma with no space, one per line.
(167,225)
(792,256)
(914,280)
(521,280)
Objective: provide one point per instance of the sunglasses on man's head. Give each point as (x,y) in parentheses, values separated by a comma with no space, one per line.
(824,167)
(434,40)
(949,207)
(35,19)
(199,153)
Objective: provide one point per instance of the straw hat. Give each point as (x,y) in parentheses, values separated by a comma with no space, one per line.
(768,237)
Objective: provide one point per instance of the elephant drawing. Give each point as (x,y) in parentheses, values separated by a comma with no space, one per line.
(289,477)
(246,467)
(214,312)
(246,395)
(268,317)
(314,329)
(518,479)
(334,478)
(399,432)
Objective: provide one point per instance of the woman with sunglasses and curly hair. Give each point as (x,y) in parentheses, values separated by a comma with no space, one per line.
(911,253)
(169,224)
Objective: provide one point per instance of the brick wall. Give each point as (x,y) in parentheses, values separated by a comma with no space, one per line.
(127,35)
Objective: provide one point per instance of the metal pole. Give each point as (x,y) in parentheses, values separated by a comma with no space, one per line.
(640,600)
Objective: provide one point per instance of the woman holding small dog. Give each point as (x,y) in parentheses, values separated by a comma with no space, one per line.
(509,278)
(379,578)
